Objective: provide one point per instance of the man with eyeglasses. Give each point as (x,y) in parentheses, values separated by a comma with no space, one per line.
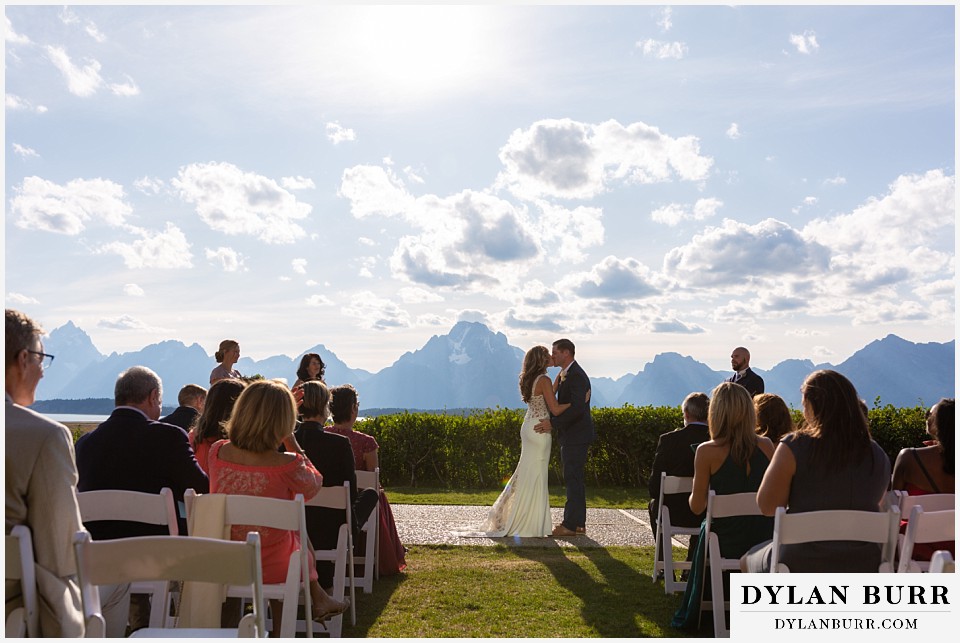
(41,481)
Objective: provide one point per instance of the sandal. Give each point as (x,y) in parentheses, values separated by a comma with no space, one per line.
(336,611)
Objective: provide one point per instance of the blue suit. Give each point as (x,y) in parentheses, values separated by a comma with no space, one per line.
(574,432)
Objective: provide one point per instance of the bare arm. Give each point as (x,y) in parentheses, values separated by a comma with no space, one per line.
(370,460)
(900,470)
(544,388)
(775,487)
(701,479)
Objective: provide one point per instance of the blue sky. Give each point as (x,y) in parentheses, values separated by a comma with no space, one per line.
(640,179)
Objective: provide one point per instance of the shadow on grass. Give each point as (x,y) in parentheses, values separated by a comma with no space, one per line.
(371,606)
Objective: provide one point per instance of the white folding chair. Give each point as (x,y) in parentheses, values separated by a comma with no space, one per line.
(169,558)
(19,565)
(929,502)
(134,506)
(941,562)
(371,551)
(924,527)
(665,533)
(272,513)
(879,527)
(342,556)
(722,506)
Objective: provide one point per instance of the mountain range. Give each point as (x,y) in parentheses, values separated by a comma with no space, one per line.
(474,367)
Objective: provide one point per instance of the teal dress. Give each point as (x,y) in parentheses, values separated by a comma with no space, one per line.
(737,534)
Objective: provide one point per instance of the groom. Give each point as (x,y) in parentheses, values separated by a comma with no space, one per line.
(575,432)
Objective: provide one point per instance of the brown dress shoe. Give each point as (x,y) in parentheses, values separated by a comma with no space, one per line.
(562,532)
(581,530)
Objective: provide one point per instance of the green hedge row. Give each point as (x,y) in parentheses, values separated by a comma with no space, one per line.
(481,450)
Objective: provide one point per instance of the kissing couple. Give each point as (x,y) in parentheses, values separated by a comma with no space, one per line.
(561,407)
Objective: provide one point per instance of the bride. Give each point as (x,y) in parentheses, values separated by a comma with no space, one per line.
(523,509)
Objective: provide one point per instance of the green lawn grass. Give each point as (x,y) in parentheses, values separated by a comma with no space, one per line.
(510,592)
(599,498)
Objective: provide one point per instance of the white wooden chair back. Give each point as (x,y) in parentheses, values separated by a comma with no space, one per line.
(665,533)
(879,527)
(722,506)
(924,527)
(929,502)
(19,565)
(342,556)
(371,550)
(941,562)
(135,506)
(169,558)
(274,513)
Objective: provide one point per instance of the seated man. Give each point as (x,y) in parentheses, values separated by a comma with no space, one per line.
(191,400)
(674,456)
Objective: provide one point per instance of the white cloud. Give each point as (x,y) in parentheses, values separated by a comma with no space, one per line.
(21,300)
(127,322)
(565,234)
(366,241)
(534,292)
(734,253)
(149,185)
(39,204)
(339,134)
(665,22)
(733,131)
(367,264)
(13,37)
(573,160)
(806,43)
(414,295)
(318,300)
(94,32)
(662,50)
(133,290)
(67,16)
(676,326)
(413,175)
(165,250)
(227,258)
(804,332)
(25,152)
(128,88)
(376,313)
(674,213)
(532,320)
(82,80)
(469,315)
(612,278)
(232,201)
(837,180)
(299,266)
(14,102)
(297,183)
(374,190)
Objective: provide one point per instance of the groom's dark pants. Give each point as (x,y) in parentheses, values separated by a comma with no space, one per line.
(574,460)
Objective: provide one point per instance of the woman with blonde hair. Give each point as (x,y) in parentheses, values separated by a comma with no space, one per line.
(227,355)
(732,461)
(250,463)
(773,417)
(523,508)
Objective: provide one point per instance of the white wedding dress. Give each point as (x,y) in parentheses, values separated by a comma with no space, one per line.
(523,509)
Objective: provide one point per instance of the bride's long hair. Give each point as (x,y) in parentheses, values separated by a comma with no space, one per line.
(535,364)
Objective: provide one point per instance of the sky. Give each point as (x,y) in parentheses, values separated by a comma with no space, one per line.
(640,179)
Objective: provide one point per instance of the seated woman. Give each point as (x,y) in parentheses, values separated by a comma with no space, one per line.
(208,427)
(829,463)
(227,355)
(773,417)
(732,461)
(929,469)
(311,369)
(344,407)
(250,463)
(332,455)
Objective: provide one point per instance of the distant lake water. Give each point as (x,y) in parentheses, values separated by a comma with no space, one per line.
(65,418)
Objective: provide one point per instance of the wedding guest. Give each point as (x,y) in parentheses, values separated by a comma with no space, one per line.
(929,469)
(332,455)
(311,368)
(208,427)
(732,461)
(250,463)
(190,399)
(227,355)
(830,463)
(773,417)
(41,481)
(344,408)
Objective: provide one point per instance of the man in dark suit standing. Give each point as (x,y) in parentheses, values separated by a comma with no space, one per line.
(574,431)
(191,399)
(132,451)
(744,376)
(674,456)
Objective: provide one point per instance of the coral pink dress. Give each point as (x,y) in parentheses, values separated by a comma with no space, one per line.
(284,482)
